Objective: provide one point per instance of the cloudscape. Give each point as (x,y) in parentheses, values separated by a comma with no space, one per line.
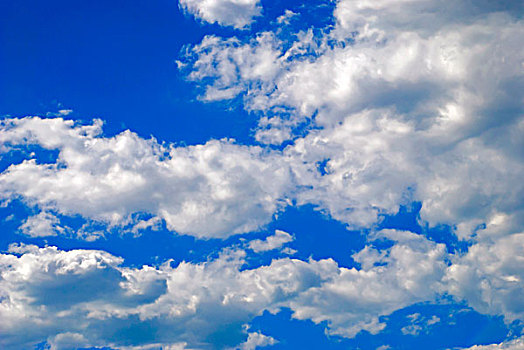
(256,174)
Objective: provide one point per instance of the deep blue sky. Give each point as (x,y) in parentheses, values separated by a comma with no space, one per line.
(113,60)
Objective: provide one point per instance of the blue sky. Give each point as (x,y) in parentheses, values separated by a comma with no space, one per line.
(248,174)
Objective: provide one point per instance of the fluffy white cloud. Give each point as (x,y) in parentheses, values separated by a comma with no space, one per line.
(415,100)
(41,225)
(82,297)
(375,162)
(490,277)
(409,100)
(271,242)
(410,271)
(255,340)
(515,344)
(235,13)
(414,113)
(211,190)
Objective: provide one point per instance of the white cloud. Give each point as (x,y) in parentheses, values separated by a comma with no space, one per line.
(412,100)
(421,104)
(80,297)
(490,277)
(211,190)
(515,344)
(419,324)
(41,225)
(418,116)
(256,340)
(87,298)
(407,273)
(67,341)
(271,242)
(235,13)
(384,347)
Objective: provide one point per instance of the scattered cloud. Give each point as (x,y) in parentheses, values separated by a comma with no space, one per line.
(235,13)
(271,242)
(515,344)
(85,297)
(211,190)
(41,225)
(256,340)
(398,101)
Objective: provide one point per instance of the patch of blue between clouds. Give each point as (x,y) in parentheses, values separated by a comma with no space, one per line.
(18,154)
(316,236)
(124,68)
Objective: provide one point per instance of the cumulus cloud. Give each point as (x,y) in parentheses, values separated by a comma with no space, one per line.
(402,101)
(87,298)
(405,104)
(41,225)
(235,13)
(490,277)
(414,113)
(83,297)
(212,190)
(271,242)
(410,271)
(515,344)
(256,340)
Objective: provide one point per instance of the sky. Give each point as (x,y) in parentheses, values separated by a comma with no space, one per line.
(255,174)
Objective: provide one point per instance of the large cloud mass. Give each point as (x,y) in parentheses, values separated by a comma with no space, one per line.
(399,101)
(86,297)
(211,190)
(401,106)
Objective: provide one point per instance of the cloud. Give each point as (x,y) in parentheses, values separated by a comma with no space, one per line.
(418,324)
(490,277)
(212,190)
(271,242)
(413,114)
(401,104)
(256,340)
(408,272)
(80,297)
(515,344)
(41,225)
(399,101)
(235,13)
(87,298)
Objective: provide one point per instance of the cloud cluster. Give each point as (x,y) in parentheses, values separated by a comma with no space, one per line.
(409,272)
(235,13)
(399,101)
(515,344)
(82,297)
(271,242)
(415,98)
(405,101)
(212,190)
(491,277)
